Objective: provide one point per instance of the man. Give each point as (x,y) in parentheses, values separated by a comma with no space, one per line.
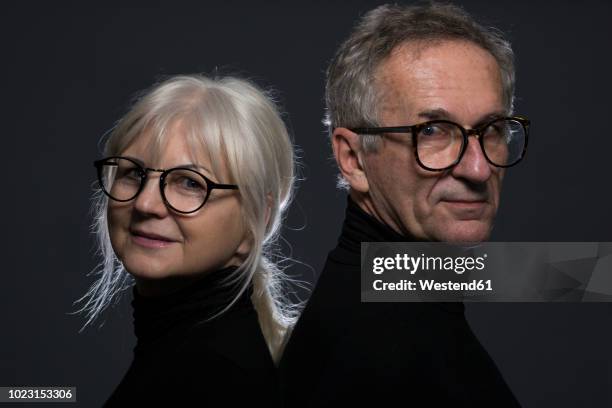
(419,102)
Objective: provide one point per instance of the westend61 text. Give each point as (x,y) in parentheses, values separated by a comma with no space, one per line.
(431,285)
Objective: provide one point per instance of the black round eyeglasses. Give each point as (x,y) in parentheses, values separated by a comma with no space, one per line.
(183,189)
(440,144)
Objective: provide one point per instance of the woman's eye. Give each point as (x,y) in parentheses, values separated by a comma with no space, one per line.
(190,184)
(134,173)
(131,173)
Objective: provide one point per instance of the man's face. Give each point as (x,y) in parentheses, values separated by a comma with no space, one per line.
(451,80)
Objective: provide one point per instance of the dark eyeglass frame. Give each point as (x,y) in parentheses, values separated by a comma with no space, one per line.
(143,173)
(477,132)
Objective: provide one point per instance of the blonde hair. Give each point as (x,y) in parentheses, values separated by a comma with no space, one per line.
(235,120)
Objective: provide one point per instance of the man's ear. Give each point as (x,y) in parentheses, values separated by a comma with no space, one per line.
(348,154)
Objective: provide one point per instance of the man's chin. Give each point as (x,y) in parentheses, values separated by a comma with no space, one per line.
(472,231)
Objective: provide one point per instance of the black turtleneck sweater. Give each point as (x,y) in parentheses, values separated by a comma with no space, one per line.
(184,358)
(345,352)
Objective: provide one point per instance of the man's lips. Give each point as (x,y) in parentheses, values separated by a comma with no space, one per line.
(466,209)
(467,202)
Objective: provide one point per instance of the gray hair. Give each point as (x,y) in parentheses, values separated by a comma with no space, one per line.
(235,120)
(350,94)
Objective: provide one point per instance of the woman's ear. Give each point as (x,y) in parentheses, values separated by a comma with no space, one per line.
(348,153)
(247,243)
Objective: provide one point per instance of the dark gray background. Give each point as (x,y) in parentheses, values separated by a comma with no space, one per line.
(70,69)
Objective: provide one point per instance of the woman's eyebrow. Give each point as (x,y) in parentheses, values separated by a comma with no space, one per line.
(194,166)
(136,159)
(191,166)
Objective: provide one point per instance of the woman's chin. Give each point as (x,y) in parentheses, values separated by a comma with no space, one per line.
(147,269)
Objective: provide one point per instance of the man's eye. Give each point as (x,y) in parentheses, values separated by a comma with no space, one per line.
(431,130)
(495,131)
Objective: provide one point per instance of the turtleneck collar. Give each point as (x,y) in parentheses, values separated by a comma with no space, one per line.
(358,227)
(158,320)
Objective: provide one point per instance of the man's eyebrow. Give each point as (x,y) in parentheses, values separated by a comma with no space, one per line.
(443,114)
(435,114)
(489,117)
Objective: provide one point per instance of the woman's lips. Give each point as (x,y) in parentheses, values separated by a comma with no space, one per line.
(150,240)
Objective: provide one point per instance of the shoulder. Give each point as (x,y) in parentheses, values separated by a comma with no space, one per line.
(226,362)
(233,345)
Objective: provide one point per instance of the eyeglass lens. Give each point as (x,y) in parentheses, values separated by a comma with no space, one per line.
(439,144)
(185,190)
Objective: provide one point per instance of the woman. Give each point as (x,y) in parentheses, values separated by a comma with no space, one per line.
(194,183)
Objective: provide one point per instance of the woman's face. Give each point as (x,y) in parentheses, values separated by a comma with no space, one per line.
(164,249)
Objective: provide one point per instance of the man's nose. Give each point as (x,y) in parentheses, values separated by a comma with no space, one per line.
(473,165)
(150,201)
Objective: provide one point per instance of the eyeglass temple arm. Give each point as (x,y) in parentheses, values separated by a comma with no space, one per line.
(225,186)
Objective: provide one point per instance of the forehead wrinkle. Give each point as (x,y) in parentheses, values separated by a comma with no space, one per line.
(414,78)
(393,73)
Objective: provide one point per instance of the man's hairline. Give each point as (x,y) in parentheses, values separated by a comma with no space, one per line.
(421,45)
